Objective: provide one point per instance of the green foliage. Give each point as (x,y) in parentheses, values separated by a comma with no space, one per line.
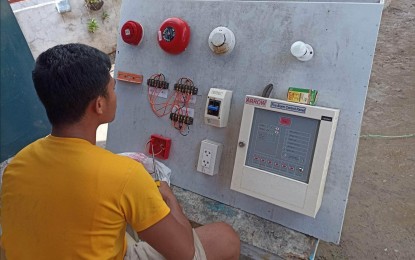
(92,1)
(105,16)
(92,25)
(94,5)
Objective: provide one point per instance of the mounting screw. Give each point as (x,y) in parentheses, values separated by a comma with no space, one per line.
(241,144)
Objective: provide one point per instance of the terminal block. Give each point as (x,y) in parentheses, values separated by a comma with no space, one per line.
(155,83)
(188,120)
(185,89)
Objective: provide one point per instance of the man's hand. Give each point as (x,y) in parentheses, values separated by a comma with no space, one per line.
(167,193)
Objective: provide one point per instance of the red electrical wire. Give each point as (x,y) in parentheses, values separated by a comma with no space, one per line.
(153,94)
(178,102)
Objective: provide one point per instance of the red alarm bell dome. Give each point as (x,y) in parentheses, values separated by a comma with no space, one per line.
(132,33)
(174,35)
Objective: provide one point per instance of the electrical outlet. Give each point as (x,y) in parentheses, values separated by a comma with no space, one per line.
(209,157)
(206,158)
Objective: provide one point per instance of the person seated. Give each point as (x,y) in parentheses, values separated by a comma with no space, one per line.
(63,197)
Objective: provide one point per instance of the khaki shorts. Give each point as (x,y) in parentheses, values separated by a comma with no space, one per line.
(143,251)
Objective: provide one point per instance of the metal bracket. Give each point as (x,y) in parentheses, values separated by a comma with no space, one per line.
(130,77)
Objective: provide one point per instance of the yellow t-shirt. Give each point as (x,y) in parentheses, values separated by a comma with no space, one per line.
(64,198)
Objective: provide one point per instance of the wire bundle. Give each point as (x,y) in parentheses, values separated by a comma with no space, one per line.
(181,106)
(160,109)
(176,103)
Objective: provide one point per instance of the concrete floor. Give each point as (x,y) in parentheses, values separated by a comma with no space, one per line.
(43,27)
(380,216)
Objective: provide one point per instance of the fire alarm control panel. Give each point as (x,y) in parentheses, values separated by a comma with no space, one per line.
(283,153)
(217,107)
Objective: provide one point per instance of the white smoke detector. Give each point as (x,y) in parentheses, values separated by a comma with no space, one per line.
(302,51)
(221,40)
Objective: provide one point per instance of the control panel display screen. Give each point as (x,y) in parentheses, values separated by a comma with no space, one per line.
(282,144)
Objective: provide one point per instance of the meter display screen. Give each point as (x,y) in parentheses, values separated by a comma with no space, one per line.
(282,144)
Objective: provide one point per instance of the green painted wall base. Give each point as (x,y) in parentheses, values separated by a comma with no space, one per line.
(23,118)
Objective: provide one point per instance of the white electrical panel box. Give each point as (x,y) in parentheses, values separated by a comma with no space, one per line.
(209,157)
(283,153)
(217,107)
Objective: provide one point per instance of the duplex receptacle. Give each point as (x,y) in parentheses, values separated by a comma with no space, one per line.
(209,157)
(206,158)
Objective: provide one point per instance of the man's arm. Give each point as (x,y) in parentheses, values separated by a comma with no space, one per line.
(175,208)
(172,236)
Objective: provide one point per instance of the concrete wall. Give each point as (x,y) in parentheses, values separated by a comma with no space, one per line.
(43,27)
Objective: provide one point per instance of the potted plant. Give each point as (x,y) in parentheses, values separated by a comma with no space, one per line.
(94,5)
(92,25)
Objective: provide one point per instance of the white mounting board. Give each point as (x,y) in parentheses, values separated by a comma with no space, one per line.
(343,35)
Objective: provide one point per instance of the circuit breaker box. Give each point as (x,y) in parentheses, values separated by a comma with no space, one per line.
(283,153)
(217,107)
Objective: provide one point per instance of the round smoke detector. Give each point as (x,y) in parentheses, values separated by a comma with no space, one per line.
(302,51)
(221,40)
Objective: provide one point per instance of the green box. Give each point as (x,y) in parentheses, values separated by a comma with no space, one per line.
(302,95)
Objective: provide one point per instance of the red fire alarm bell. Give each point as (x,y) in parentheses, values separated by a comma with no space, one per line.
(174,35)
(132,33)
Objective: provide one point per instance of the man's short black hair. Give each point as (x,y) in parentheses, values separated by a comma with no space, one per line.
(67,78)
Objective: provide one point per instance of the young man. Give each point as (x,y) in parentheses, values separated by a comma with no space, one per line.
(65,198)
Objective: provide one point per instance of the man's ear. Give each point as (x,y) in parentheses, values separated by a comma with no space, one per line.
(99,105)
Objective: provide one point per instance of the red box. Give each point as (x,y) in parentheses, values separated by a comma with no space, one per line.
(160,145)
